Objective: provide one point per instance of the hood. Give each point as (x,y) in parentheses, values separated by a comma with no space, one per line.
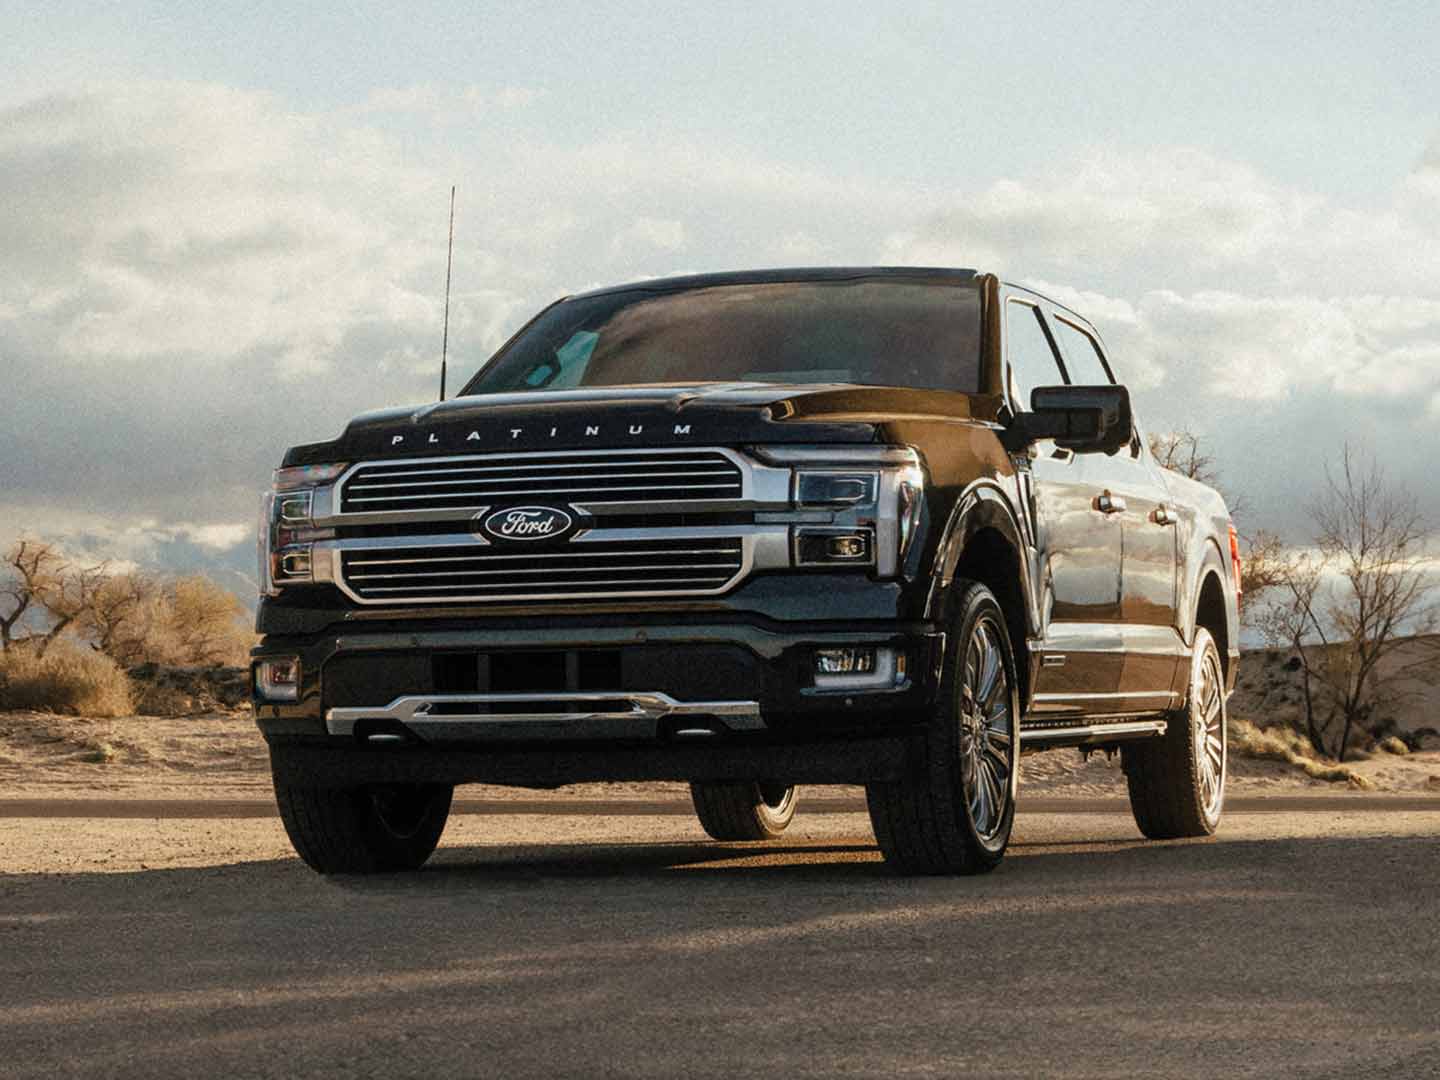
(712,414)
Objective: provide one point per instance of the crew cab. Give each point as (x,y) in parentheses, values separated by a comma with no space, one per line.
(879,526)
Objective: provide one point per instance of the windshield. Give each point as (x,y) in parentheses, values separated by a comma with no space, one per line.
(875,331)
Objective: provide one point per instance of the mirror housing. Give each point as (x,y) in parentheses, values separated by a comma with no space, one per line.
(1085,419)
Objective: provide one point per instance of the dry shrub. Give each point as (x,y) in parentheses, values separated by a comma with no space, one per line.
(69,678)
(1393,744)
(157,700)
(1283,744)
(192,621)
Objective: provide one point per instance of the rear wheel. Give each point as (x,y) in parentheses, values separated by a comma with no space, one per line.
(1177,782)
(743,811)
(365,830)
(956,817)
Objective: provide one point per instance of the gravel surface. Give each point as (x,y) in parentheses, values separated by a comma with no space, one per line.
(1297,944)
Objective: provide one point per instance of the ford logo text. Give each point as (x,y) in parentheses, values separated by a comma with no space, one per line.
(526,523)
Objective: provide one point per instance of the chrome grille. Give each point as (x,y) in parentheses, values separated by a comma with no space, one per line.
(584,478)
(597,568)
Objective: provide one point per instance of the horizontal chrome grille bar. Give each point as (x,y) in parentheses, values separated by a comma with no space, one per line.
(568,466)
(538,555)
(473,482)
(368,485)
(487,495)
(624,567)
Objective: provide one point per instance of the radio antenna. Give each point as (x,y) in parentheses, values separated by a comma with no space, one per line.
(449,256)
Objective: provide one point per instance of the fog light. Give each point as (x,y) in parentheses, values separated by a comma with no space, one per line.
(859,667)
(854,661)
(277,678)
(834,547)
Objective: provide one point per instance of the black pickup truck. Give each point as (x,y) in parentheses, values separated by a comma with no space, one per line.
(881,526)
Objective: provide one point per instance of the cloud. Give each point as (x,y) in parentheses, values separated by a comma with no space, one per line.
(198,276)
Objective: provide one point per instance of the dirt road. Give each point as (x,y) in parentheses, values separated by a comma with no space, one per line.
(1298,944)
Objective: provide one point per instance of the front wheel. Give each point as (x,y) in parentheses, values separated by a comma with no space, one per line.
(366,830)
(955,818)
(743,811)
(1177,781)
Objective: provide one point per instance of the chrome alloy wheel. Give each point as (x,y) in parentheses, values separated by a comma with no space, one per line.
(988,751)
(1207,723)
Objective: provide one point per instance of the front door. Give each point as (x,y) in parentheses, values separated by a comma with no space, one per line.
(1136,492)
(1078,540)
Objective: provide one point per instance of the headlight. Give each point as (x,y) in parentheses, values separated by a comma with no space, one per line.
(835,488)
(868,504)
(287,526)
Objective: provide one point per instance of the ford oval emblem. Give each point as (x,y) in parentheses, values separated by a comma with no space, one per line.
(526,523)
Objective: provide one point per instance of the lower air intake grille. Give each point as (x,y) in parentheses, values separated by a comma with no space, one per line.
(597,568)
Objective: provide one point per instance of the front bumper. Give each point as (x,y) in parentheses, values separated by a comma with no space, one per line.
(655,686)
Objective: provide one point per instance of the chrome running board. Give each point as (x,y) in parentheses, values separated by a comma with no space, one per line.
(564,714)
(1090,734)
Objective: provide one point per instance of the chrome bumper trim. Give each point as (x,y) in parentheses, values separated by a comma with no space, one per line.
(421,711)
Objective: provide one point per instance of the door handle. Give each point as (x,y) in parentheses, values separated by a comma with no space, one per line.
(1163,516)
(1109,504)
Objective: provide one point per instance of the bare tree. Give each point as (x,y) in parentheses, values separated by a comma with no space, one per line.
(1292,620)
(121,616)
(1182,452)
(31,568)
(1264,565)
(1371,540)
(67,599)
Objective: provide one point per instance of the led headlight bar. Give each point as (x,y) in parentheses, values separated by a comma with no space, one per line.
(287,526)
(875,499)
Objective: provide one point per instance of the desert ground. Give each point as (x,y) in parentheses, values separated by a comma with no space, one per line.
(220,755)
(154,922)
(1295,944)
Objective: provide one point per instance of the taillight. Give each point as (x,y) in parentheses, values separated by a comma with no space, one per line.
(1235,557)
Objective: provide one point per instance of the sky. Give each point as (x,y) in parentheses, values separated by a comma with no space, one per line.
(222,226)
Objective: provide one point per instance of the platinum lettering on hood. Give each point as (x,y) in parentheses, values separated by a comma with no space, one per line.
(536,431)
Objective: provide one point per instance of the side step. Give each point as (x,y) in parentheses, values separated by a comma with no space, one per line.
(1090,734)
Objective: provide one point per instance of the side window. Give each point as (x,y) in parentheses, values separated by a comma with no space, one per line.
(1083,358)
(1030,360)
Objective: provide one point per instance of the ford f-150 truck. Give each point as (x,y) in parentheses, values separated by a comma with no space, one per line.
(884,526)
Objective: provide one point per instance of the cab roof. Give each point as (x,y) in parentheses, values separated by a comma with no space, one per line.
(767,277)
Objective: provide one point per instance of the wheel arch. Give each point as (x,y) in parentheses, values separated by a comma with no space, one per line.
(984,542)
(1211,604)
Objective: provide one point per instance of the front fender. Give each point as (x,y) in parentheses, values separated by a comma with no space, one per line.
(983,505)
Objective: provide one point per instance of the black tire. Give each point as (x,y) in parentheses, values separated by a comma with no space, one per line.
(368,830)
(749,810)
(1177,781)
(940,822)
